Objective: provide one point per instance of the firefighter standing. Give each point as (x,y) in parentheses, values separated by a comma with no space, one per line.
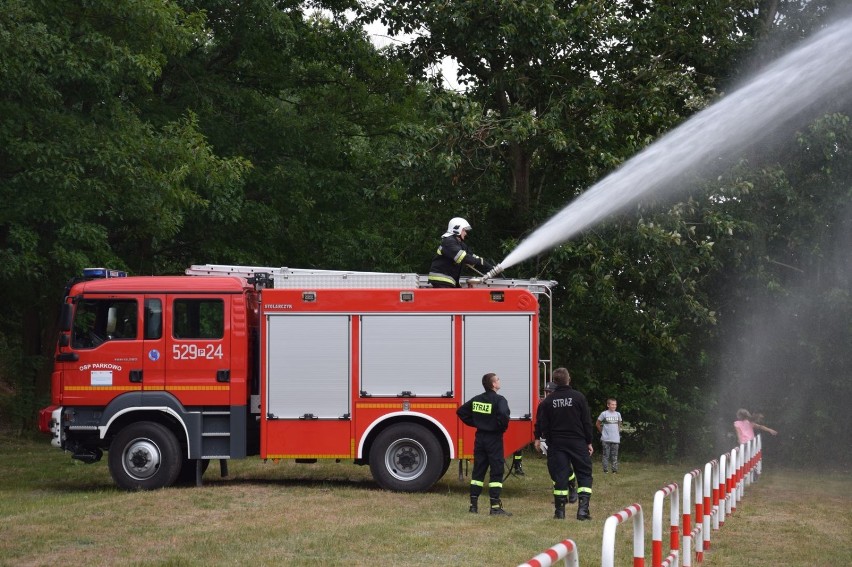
(565,421)
(549,388)
(489,414)
(452,254)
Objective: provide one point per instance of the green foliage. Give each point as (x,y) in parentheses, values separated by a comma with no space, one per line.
(562,92)
(151,135)
(311,103)
(85,178)
(275,514)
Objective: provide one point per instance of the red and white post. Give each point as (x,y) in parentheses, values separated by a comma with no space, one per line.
(711,500)
(693,533)
(671,560)
(565,549)
(731,478)
(608,546)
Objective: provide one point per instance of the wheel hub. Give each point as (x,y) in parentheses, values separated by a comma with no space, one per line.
(142,459)
(407,459)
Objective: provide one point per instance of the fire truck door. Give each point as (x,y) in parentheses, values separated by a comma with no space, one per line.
(501,344)
(155,343)
(106,357)
(198,349)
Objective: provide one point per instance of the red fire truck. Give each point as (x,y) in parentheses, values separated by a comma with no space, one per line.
(169,372)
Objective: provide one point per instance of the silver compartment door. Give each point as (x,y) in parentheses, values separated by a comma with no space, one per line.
(406,353)
(308,359)
(501,344)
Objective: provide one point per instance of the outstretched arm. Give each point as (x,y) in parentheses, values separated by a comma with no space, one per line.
(766,429)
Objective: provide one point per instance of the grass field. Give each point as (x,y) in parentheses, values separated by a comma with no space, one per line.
(56,511)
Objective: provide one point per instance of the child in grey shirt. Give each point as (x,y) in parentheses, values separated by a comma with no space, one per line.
(609,426)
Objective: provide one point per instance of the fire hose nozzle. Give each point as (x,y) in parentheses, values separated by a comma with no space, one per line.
(493,272)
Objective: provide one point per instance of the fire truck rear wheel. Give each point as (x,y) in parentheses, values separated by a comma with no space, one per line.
(406,457)
(144,456)
(446,466)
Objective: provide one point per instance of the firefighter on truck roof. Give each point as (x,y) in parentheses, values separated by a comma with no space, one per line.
(452,254)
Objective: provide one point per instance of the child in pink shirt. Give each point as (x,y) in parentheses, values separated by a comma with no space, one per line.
(745,427)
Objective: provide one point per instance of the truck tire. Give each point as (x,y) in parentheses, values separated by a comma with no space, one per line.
(446,466)
(406,457)
(144,456)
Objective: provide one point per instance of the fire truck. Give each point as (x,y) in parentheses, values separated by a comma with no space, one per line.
(167,373)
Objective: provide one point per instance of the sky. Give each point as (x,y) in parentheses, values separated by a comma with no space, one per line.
(378,34)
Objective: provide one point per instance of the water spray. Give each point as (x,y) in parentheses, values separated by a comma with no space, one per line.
(781,97)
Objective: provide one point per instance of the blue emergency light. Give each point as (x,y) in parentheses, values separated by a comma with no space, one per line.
(103,273)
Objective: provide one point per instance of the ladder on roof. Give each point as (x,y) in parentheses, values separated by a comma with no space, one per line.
(298,278)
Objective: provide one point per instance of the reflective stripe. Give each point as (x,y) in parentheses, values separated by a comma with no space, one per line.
(495,485)
(460,256)
(518,457)
(560,493)
(477,483)
(570,478)
(433,276)
(584,489)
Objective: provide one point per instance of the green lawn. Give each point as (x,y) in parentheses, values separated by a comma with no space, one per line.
(56,511)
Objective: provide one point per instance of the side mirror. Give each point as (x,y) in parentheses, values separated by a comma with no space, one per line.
(66,318)
(64,340)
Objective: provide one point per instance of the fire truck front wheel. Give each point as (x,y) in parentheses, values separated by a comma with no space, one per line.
(144,456)
(406,457)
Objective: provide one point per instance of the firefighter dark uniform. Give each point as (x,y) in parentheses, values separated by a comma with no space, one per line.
(572,478)
(565,422)
(489,414)
(452,255)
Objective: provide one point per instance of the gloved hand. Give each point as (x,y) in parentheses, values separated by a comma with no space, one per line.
(542,444)
(486,265)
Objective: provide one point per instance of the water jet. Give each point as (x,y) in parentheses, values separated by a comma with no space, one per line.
(777,98)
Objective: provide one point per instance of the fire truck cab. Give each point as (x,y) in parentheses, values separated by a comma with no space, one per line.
(166,373)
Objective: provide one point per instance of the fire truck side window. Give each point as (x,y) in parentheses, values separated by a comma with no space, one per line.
(99,320)
(153,319)
(198,319)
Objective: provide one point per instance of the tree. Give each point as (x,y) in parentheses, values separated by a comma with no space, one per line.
(564,77)
(85,180)
(308,100)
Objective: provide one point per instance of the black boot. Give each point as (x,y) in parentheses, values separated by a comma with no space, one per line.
(559,507)
(583,507)
(572,491)
(474,505)
(497,508)
(518,468)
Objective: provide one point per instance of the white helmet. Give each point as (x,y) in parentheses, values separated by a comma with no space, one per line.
(456,225)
